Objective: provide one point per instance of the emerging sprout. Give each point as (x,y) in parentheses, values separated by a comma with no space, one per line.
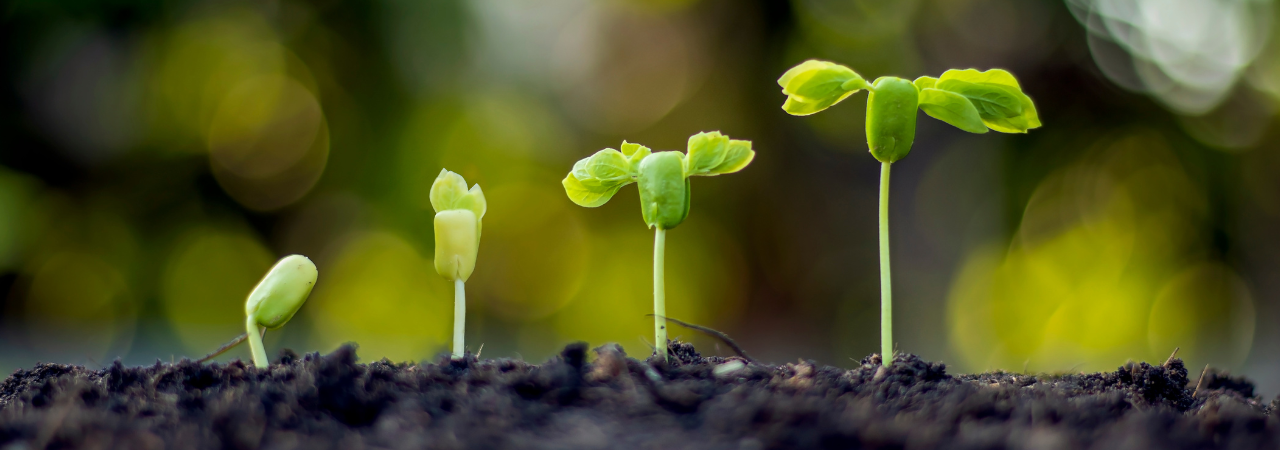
(970,100)
(275,300)
(663,180)
(458,214)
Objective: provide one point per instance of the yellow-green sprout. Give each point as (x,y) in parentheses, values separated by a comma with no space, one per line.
(458,216)
(276,299)
(663,180)
(970,100)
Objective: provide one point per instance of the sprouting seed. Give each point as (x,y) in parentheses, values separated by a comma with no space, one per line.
(970,100)
(457,224)
(276,299)
(663,181)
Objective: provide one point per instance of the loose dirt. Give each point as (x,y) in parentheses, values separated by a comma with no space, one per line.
(616,402)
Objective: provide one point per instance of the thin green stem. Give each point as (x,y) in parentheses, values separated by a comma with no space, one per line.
(659,293)
(886,275)
(459,316)
(255,343)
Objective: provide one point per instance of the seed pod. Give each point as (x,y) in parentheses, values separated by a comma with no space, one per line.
(664,190)
(891,118)
(457,243)
(281,292)
(459,212)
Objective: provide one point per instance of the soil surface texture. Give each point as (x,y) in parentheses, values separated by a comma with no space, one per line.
(602,399)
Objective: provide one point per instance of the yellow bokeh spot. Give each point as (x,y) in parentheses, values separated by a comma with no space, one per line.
(1083,282)
(381,294)
(1208,312)
(77,305)
(533,254)
(207,277)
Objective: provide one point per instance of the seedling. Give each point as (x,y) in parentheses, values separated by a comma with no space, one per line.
(663,179)
(275,300)
(458,215)
(970,100)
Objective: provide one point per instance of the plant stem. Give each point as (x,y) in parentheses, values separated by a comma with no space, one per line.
(459,316)
(659,293)
(886,275)
(255,343)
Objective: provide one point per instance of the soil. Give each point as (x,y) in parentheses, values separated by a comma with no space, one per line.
(616,402)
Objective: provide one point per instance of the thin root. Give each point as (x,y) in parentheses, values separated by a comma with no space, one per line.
(1170,360)
(223,348)
(717,334)
(1201,380)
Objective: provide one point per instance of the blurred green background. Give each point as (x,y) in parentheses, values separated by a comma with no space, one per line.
(156,157)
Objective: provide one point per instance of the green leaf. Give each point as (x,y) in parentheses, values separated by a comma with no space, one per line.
(996,95)
(797,107)
(589,196)
(737,156)
(923,83)
(634,153)
(815,85)
(706,151)
(595,179)
(474,201)
(608,166)
(448,189)
(951,108)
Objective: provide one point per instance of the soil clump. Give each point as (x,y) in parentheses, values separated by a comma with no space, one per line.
(611,401)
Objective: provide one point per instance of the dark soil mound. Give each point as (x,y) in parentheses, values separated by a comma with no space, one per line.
(615,402)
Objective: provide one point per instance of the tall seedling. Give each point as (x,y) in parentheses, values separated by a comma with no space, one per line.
(970,100)
(663,179)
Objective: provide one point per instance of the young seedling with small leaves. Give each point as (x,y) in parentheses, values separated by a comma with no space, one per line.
(458,215)
(663,180)
(272,303)
(275,300)
(970,100)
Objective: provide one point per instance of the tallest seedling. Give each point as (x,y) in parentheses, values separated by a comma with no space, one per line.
(664,192)
(970,100)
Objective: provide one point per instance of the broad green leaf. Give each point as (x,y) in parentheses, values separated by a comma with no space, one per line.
(448,189)
(797,107)
(583,175)
(589,196)
(923,83)
(706,151)
(664,190)
(608,166)
(993,101)
(996,95)
(738,155)
(815,85)
(595,179)
(951,108)
(634,153)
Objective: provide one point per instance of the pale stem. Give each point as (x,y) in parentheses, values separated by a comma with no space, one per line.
(659,293)
(459,316)
(886,276)
(255,343)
